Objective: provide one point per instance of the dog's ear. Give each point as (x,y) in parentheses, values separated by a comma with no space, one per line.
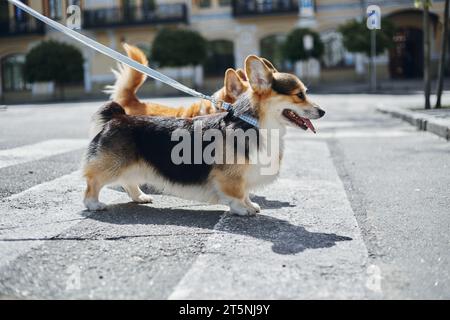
(234,85)
(241,74)
(269,65)
(259,75)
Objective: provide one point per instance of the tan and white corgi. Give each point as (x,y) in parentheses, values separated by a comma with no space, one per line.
(134,150)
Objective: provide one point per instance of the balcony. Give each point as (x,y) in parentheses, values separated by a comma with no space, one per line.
(24,28)
(249,8)
(135,16)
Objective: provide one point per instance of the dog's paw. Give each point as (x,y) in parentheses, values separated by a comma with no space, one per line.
(255,206)
(143,198)
(252,211)
(240,210)
(94,205)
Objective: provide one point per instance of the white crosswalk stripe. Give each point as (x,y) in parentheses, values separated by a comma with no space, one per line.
(281,263)
(40,150)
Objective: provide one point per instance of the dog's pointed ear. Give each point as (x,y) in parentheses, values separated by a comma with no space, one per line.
(234,85)
(241,74)
(269,65)
(259,75)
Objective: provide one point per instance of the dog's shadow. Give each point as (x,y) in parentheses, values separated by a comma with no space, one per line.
(261,200)
(285,237)
(271,204)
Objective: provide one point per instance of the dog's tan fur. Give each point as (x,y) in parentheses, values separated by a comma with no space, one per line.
(128,82)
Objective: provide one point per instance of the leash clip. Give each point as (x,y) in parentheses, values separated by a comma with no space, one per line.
(246,118)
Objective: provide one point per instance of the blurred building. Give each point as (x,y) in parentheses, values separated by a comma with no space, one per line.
(234,29)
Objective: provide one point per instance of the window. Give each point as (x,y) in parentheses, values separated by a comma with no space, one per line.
(224,3)
(203,3)
(74,2)
(148,5)
(19,15)
(4,16)
(130,9)
(55,9)
(4,11)
(12,73)
(220,57)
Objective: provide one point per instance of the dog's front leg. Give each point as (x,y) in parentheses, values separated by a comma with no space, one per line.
(239,207)
(238,201)
(231,186)
(252,204)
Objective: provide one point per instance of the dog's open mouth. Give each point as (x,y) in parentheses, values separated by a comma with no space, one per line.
(301,122)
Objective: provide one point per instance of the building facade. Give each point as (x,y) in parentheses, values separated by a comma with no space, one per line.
(234,29)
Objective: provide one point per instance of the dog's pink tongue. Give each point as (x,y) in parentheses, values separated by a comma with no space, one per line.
(309,125)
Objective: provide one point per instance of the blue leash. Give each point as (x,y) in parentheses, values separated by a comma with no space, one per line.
(129,62)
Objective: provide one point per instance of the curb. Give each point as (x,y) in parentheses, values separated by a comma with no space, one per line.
(423,122)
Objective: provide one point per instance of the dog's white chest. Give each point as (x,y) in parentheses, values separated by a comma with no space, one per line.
(266,168)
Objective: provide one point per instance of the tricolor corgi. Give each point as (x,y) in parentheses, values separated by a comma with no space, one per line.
(134,150)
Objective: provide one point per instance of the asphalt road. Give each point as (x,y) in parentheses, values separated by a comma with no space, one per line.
(361,210)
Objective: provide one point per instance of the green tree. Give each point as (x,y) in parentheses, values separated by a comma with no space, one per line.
(177,48)
(54,61)
(294,49)
(356,36)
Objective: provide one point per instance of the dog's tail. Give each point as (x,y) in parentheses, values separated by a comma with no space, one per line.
(128,80)
(106,113)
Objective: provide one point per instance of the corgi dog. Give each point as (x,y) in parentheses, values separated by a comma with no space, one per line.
(128,82)
(134,150)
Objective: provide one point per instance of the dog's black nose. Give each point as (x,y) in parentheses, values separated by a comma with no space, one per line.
(321,113)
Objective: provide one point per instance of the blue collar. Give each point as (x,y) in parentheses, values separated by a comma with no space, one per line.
(249,119)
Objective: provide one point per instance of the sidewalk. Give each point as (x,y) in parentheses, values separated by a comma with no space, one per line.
(384,86)
(436,121)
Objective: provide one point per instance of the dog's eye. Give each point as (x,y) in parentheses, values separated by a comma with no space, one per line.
(301,95)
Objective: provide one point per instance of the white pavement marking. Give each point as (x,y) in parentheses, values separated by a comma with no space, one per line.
(43,149)
(356,134)
(42,212)
(295,249)
(365,134)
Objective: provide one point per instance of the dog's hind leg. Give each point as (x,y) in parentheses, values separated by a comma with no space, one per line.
(136,194)
(94,185)
(98,173)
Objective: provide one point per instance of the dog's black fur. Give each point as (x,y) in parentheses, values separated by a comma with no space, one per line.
(149,138)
